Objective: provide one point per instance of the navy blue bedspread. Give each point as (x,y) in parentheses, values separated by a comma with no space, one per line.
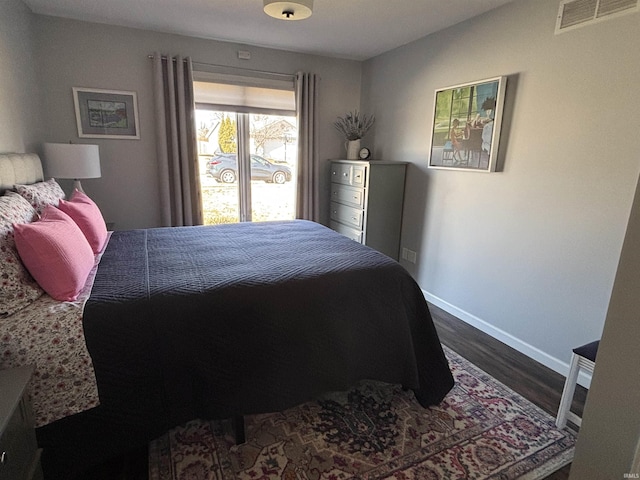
(213,322)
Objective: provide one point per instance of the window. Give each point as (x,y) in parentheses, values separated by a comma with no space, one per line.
(247,145)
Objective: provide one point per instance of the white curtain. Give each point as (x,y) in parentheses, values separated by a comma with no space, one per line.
(177,149)
(308,196)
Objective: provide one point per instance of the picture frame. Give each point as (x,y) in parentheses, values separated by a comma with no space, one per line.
(467,120)
(106,113)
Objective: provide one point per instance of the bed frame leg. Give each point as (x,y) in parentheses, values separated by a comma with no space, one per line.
(238,427)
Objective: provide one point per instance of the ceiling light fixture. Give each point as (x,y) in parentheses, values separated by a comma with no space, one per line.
(293,10)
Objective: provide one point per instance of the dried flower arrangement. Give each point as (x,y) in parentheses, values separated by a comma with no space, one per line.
(354,126)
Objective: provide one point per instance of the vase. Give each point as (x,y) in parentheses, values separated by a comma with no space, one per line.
(353,149)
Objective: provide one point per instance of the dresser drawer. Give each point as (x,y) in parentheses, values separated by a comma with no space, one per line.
(351,196)
(350,216)
(18,447)
(353,233)
(348,174)
(19,453)
(358,175)
(341,173)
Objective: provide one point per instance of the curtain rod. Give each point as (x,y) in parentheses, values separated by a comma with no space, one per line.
(287,75)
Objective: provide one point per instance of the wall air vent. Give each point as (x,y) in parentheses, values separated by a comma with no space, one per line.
(578,13)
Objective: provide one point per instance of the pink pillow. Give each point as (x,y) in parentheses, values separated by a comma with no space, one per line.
(56,253)
(88,217)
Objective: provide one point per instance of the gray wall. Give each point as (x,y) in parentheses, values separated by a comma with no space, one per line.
(79,54)
(19,102)
(529,253)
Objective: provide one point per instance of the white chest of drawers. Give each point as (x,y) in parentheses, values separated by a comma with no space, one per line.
(366,202)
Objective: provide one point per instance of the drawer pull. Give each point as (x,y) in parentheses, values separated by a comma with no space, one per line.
(3,458)
(345,174)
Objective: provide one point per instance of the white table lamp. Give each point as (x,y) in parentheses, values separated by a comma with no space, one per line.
(72,160)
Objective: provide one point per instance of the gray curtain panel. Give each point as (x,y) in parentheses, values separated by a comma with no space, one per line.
(308,196)
(177,149)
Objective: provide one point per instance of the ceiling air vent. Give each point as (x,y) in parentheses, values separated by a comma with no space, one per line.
(578,13)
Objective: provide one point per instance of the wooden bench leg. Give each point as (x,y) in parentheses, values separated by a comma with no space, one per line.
(238,427)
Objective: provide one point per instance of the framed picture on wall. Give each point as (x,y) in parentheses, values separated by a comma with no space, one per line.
(466,125)
(106,113)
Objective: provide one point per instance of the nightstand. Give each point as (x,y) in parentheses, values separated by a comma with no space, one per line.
(19,453)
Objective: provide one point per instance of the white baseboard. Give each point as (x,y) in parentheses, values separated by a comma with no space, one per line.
(547,360)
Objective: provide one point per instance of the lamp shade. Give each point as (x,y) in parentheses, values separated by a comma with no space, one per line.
(72,160)
(289,10)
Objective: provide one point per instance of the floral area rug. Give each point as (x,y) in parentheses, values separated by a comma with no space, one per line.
(481,430)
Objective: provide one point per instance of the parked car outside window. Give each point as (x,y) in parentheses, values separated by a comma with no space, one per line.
(224,168)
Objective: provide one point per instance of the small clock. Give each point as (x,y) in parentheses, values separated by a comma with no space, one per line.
(364,153)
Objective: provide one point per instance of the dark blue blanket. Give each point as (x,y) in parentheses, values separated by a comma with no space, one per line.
(218,321)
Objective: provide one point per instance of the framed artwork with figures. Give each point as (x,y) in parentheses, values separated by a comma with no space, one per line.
(466,125)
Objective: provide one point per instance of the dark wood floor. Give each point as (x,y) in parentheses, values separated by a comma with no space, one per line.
(529,378)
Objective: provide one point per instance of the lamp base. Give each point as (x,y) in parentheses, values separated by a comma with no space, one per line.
(77,185)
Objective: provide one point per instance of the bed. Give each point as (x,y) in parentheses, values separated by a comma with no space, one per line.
(216,322)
